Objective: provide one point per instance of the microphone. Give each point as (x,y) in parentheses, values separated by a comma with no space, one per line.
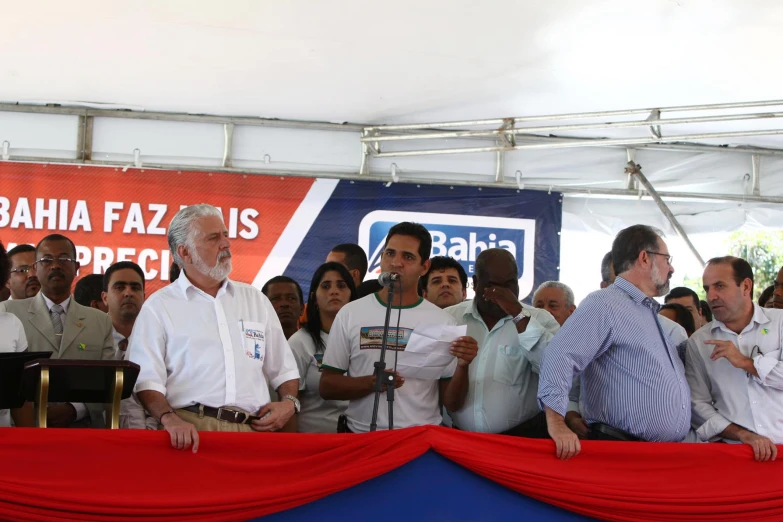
(387,278)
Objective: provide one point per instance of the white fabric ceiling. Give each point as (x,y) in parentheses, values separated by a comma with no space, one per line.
(412,61)
(383,62)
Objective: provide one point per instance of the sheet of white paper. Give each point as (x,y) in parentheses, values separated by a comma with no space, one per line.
(427,353)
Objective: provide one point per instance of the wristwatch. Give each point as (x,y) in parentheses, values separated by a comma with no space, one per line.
(293,399)
(522,315)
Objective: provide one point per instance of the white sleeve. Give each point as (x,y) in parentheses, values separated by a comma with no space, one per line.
(338,349)
(20,343)
(147,348)
(299,349)
(279,363)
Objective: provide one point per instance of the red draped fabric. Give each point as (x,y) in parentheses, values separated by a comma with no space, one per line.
(52,474)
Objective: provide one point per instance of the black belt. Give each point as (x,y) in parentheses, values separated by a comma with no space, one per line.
(224,413)
(615,433)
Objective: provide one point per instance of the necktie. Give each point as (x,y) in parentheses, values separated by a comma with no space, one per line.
(123,345)
(57,322)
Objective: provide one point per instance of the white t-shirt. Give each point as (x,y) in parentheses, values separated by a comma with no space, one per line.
(316,414)
(12,339)
(354,346)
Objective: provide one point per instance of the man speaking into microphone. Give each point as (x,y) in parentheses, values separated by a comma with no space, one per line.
(356,337)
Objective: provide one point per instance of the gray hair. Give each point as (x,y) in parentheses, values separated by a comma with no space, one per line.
(181,227)
(606,265)
(569,294)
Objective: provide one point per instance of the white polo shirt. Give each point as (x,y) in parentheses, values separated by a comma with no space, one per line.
(355,345)
(12,339)
(722,394)
(217,351)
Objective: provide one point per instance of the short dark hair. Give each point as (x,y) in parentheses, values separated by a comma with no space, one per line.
(407,228)
(439,263)
(20,249)
(88,289)
(766,295)
(705,311)
(5,265)
(606,262)
(683,317)
(631,242)
(313,325)
(355,257)
(282,279)
(120,265)
(680,292)
(741,269)
(174,272)
(56,237)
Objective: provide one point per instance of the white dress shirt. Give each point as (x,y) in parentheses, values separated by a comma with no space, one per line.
(81,408)
(12,339)
(217,351)
(132,415)
(504,374)
(722,394)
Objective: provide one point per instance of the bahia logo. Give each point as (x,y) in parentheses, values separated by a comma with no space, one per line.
(462,237)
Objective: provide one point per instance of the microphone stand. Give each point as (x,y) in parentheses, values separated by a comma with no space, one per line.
(381,376)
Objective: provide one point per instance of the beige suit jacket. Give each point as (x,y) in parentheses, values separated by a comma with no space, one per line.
(87,334)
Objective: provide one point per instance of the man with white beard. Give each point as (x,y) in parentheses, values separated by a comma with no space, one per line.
(210,348)
(633,380)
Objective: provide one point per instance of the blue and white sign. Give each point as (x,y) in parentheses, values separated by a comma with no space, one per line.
(460,236)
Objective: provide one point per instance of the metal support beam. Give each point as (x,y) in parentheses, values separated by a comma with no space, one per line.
(84,138)
(636,170)
(756,175)
(228,144)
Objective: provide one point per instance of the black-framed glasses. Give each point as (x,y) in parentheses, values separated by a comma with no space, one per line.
(22,269)
(46,262)
(669,259)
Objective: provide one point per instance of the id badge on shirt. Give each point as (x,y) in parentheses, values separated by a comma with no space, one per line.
(319,359)
(253,340)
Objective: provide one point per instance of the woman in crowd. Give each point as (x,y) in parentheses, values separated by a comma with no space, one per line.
(680,315)
(332,288)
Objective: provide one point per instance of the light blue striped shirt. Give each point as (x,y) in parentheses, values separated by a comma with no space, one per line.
(632,376)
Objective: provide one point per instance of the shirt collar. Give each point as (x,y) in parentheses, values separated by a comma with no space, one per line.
(636,294)
(189,288)
(50,303)
(759,317)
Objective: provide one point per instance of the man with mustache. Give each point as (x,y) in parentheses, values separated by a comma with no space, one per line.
(632,377)
(208,347)
(23,281)
(734,365)
(54,321)
(286,297)
(512,338)
(445,283)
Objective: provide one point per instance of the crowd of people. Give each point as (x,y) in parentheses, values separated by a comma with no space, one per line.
(220,355)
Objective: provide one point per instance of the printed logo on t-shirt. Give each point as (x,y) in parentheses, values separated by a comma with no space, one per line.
(371,338)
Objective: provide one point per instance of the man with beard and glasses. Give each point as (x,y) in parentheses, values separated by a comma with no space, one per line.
(633,381)
(209,348)
(23,281)
(54,322)
(734,365)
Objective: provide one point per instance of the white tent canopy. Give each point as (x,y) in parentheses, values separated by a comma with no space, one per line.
(374,63)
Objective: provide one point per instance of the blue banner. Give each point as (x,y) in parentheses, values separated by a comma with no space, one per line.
(463,221)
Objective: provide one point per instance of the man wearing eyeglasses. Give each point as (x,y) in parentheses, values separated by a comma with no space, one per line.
(633,380)
(23,282)
(54,321)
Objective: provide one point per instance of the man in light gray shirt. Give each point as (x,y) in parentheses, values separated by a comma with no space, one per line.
(733,364)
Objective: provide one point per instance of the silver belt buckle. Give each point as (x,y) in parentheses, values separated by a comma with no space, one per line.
(232,411)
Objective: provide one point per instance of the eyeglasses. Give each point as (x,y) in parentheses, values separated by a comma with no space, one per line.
(21,269)
(46,262)
(669,258)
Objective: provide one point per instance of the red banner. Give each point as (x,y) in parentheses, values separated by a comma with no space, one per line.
(51,474)
(114,215)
